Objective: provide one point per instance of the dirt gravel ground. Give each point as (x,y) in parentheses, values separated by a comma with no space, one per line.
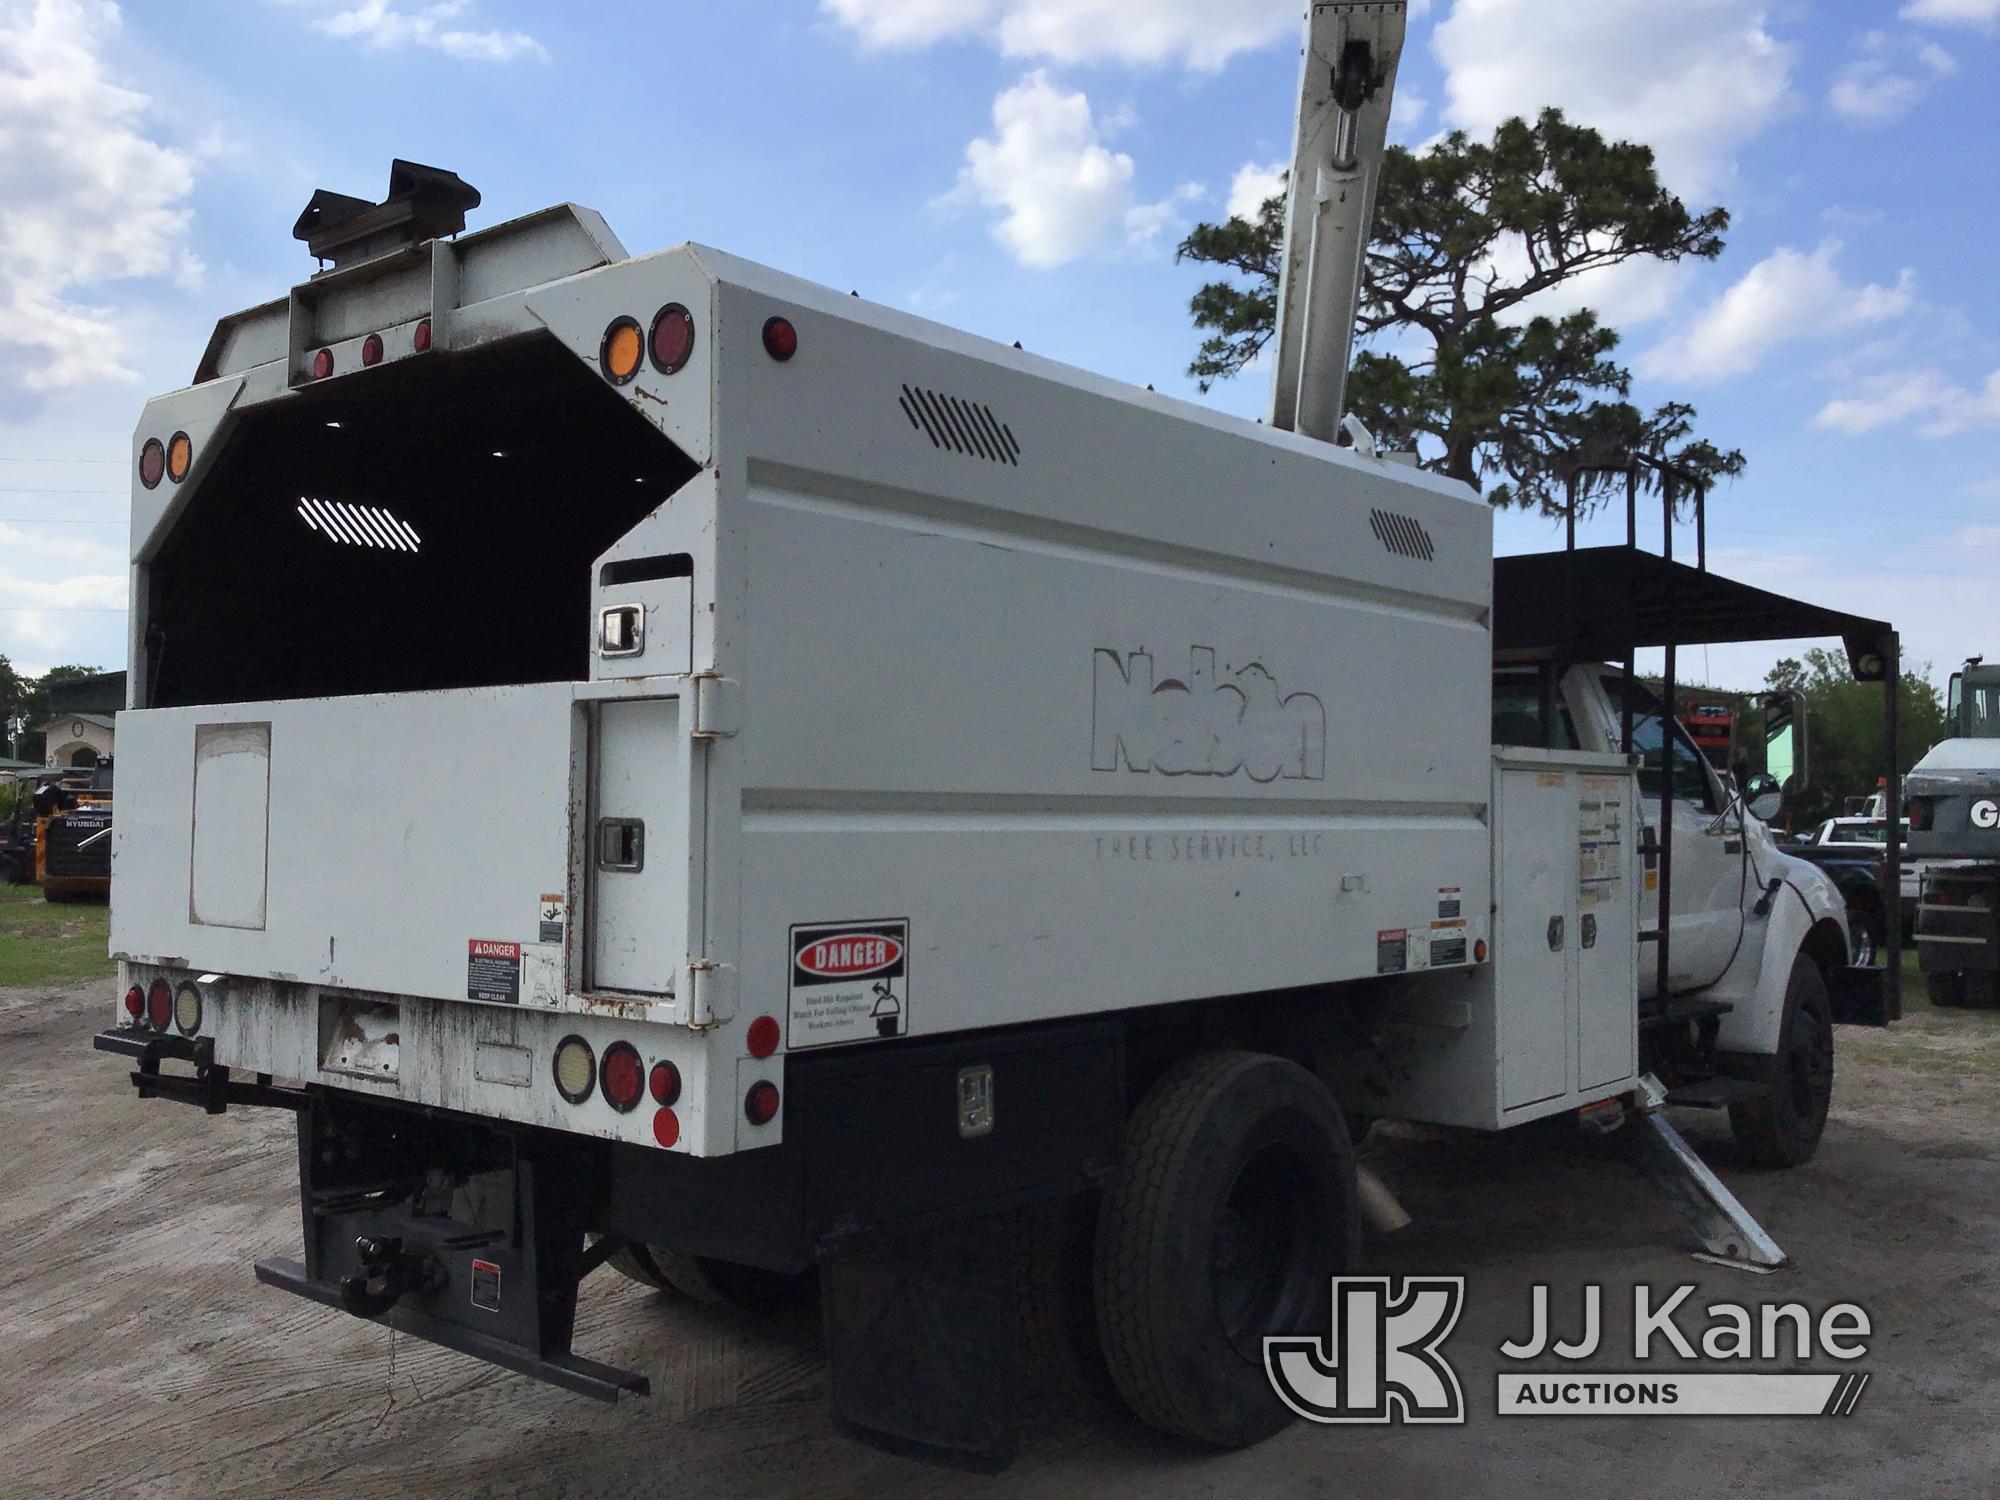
(138,1357)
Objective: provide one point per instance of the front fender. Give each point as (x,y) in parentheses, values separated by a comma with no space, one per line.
(1808,915)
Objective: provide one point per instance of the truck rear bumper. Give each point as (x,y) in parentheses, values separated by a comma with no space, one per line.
(572,1372)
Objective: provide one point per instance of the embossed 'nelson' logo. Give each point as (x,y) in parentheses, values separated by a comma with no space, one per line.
(1210,725)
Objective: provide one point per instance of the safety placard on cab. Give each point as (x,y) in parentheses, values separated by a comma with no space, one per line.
(850,982)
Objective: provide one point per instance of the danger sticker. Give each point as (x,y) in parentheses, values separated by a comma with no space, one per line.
(1392,951)
(550,918)
(849,983)
(493,971)
(486,1285)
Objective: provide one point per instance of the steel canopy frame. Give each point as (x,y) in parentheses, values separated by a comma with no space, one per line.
(1605,603)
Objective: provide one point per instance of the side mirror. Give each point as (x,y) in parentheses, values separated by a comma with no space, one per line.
(1763,797)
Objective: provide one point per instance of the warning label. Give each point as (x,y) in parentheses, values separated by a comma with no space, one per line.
(1392,951)
(486,1285)
(850,982)
(493,971)
(551,918)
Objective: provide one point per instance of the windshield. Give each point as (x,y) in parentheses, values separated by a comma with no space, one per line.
(1858,833)
(1979,717)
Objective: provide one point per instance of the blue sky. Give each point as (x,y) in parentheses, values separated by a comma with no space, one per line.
(1023,168)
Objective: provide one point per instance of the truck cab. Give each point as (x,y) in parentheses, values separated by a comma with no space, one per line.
(1725,859)
(1954,812)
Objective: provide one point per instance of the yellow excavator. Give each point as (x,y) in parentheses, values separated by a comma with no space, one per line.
(73,834)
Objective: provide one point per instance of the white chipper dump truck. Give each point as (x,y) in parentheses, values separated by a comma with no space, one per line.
(663,765)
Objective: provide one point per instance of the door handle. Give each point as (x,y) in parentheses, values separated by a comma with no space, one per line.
(621,844)
(1590,929)
(1555,934)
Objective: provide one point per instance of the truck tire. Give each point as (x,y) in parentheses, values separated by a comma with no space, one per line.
(1055,1311)
(1945,990)
(1231,1207)
(1783,1128)
(701,1278)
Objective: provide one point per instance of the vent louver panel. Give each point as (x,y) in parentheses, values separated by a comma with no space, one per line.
(1402,535)
(967,427)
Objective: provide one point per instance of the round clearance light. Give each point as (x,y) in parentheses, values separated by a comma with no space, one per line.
(664,1083)
(371,349)
(762,1037)
(623,1077)
(1479,951)
(135,1002)
(152,463)
(781,340)
(420,337)
(671,344)
(760,1105)
(576,1069)
(623,350)
(187,1008)
(322,365)
(180,456)
(666,1127)
(159,1004)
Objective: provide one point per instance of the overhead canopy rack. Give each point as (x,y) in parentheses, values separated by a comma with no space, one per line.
(1609,603)
(1603,603)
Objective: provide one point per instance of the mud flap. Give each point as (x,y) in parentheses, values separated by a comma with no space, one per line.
(1863,997)
(922,1346)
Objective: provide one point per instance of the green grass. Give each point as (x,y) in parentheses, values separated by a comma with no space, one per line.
(45,944)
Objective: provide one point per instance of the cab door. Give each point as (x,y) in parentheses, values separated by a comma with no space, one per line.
(1709,873)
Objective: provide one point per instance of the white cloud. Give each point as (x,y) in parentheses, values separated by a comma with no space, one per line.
(1059,190)
(1954,12)
(1888,79)
(1198,34)
(51,542)
(1787,296)
(86,194)
(381,26)
(1252,186)
(1693,79)
(1943,406)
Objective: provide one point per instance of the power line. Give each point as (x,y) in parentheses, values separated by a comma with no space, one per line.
(8,458)
(60,521)
(38,490)
(64,609)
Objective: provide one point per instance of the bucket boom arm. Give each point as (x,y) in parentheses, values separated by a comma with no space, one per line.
(1351,51)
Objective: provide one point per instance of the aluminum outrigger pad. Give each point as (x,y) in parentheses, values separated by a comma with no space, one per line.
(1726,1229)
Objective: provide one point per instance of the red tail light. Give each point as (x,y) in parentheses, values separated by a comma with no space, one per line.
(666,1127)
(160,1004)
(420,337)
(623,1077)
(371,349)
(135,1002)
(152,463)
(664,1083)
(760,1105)
(322,364)
(763,1037)
(781,339)
(672,339)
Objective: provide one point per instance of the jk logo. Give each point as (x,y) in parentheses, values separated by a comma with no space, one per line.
(1381,1362)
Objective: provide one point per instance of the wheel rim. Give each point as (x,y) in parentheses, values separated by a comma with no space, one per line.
(1812,1065)
(1266,1256)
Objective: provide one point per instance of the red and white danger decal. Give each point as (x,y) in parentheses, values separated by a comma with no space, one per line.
(850,982)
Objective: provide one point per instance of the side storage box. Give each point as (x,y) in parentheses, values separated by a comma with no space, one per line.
(1550,1021)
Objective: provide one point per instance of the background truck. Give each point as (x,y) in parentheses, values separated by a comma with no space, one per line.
(874,803)
(1954,814)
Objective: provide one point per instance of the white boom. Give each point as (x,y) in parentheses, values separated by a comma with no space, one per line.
(1352,48)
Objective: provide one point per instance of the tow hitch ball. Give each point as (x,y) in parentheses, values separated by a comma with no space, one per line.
(387,1272)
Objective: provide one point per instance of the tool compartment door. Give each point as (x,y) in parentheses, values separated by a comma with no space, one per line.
(637,847)
(1535,877)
